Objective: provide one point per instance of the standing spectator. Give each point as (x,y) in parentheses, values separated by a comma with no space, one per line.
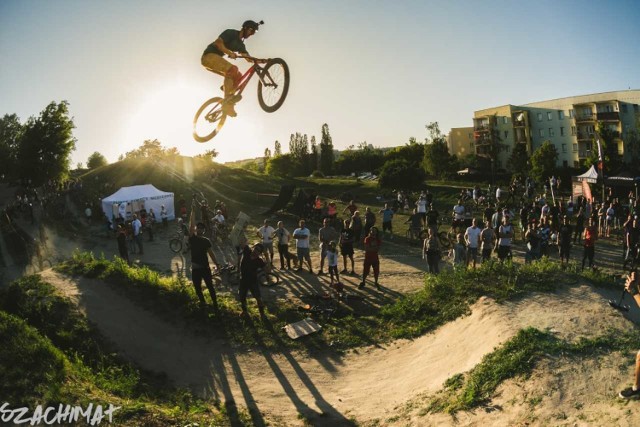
(387,216)
(266,234)
(564,240)
(369,220)
(151,220)
(577,235)
(415,224)
(356,225)
(88,213)
(326,234)
(545,235)
(201,248)
(250,263)
(347,238)
(610,215)
(137,233)
(458,214)
(488,238)
(632,239)
(505,233)
(302,234)
(421,206)
(371,248)
(459,252)
(432,219)
(351,207)
(123,250)
(332,210)
(182,208)
(590,235)
(164,217)
(532,238)
(332,262)
(472,238)
(282,235)
(431,252)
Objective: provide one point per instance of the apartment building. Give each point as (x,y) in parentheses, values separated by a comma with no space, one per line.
(569,124)
(460,142)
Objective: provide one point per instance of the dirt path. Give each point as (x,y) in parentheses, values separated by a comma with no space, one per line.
(365,384)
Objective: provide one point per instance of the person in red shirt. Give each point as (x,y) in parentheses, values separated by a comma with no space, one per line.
(371,248)
(589,236)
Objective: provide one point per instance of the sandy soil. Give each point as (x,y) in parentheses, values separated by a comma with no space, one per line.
(384,385)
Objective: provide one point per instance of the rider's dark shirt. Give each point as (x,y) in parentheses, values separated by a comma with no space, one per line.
(199,251)
(232,41)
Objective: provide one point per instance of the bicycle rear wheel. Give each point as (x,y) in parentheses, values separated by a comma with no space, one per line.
(208,120)
(443,239)
(175,245)
(272,94)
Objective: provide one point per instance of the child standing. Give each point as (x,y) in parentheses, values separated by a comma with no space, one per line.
(459,252)
(332,261)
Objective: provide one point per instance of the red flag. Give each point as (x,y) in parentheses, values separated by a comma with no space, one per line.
(586,190)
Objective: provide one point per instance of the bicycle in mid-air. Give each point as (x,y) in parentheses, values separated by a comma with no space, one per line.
(272,91)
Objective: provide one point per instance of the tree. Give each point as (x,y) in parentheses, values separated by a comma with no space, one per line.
(519,160)
(277,149)
(96,160)
(543,161)
(400,173)
(612,161)
(632,144)
(150,148)
(326,151)
(46,144)
(285,165)
(413,152)
(364,158)
(437,160)
(314,157)
(10,134)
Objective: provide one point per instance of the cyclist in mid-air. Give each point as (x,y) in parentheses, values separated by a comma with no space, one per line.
(230,43)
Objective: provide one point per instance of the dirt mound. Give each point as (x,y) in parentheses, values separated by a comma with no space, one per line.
(372,384)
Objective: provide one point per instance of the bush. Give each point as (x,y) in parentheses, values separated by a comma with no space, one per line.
(317,174)
(399,173)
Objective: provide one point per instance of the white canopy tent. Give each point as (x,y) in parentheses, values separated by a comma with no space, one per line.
(591,176)
(129,200)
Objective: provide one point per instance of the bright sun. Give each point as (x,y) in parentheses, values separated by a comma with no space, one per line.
(166,114)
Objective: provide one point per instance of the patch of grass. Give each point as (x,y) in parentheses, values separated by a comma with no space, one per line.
(517,358)
(50,354)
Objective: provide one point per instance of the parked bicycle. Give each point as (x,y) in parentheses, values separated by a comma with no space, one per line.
(272,91)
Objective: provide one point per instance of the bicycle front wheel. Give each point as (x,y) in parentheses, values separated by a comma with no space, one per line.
(208,120)
(272,93)
(175,245)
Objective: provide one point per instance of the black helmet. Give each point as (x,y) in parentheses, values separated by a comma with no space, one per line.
(252,24)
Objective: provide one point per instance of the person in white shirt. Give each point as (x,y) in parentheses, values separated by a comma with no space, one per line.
(421,206)
(283,235)
(458,214)
(219,218)
(302,234)
(137,232)
(266,234)
(472,238)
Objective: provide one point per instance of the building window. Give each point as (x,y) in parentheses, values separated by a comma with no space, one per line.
(561,131)
(572,114)
(575,148)
(574,131)
(539,117)
(541,133)
(551,133)
(560,115)
(549,115)
(565,163)
(623,107)
(564,148)
(506,134)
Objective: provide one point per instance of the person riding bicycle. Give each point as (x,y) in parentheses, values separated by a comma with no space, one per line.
(231,43)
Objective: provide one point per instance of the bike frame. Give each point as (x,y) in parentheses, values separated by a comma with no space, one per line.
(244,80)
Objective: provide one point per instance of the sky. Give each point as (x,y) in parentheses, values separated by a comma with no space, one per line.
(374,71)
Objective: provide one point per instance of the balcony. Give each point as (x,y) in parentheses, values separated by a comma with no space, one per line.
(609,116)
(481,127)
(585,136)
(584,154)
(581,118)
(519,123)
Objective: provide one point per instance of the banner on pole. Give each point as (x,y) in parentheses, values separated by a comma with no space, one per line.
(586,190)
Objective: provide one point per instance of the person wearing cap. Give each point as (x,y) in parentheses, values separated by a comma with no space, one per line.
(230,43)
(266,233)
(201,249)
(251,262)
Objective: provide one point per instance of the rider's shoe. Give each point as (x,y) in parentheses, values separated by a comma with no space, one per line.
(228,109)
